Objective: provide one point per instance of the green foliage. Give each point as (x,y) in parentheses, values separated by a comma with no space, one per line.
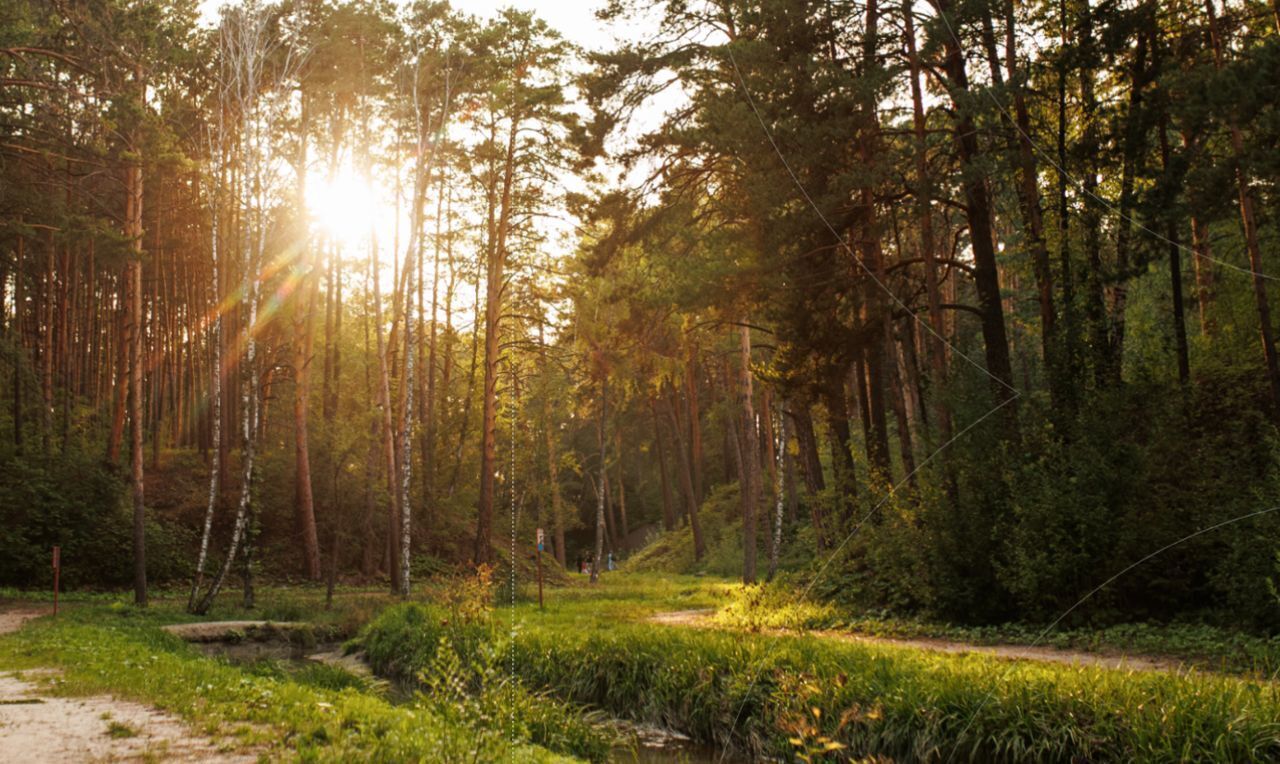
(721,521)
(775,605)
(459,665)
(74,502)
(782,605)
(760,693)
(282,714)
(117,730)
(1037,530)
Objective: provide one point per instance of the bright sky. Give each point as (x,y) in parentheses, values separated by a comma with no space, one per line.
(575,19)
(345,206)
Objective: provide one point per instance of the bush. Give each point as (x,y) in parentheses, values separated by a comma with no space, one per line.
(72,501)
(457,659)
(720,518)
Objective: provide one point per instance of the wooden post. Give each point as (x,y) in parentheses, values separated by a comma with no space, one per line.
(541,539)
(57,569)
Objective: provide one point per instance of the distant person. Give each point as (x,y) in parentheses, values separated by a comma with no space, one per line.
(610,565)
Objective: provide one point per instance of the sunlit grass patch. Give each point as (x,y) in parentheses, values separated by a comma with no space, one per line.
(122,651)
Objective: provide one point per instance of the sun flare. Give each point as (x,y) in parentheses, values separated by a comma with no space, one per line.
(346,207)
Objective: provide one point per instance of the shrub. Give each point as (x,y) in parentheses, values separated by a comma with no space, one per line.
(74,502)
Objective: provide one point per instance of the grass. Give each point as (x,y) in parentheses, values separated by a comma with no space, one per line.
(791,696)
(779,606)
(309,715)
(591,654)
(119,731)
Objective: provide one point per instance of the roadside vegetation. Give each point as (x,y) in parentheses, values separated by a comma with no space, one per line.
(770,696)
(316,713)
(594,658)
(783,605)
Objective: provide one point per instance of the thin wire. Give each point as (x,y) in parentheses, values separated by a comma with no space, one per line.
(1092,195)
(870,273)
(893,489)
(1016,393)
(1095,590)
(862,521)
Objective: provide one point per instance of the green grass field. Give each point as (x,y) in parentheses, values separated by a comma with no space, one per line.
(592,655)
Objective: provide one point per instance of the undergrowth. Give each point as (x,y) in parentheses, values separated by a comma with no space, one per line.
(770,696)
(313,714)
(781,605)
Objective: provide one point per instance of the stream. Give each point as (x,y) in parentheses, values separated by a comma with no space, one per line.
(648,744)
(656,745)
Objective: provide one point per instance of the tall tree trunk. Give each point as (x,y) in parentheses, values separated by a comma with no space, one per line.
(807,442)
(748,443)
(405,524)
(841,440)
(387,428)
(215,402)
(249,396)
(610,519)
(779,494)
(47,323)
(686,478)
(495,269)
(553,476)
(133,232)
(978,211)
(1250,228)
(622,492)
(121,398)
(874,404)
(1202,267)
(1095,314)
(668,507)
(1067,347)
(1134,153)
(429,404)
(602,487)
(308,277)
(898,402)
(19,351)
(1175,271)
(1029,202)
(695,423)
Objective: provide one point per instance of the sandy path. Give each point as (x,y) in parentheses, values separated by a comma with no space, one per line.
(12,620)
(36,726)
(701,619)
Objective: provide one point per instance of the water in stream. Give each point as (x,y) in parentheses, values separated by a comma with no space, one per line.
(655,745)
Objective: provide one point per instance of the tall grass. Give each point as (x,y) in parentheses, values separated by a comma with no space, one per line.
(311,715)
(777,696)
(461,669)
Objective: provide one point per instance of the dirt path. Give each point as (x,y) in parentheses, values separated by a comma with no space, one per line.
(701,619)
(12,620)
(36,726)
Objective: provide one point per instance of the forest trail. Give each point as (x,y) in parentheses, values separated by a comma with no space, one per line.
(700,619)
(38,726)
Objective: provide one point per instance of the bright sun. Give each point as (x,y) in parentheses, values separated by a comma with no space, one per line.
(344,207)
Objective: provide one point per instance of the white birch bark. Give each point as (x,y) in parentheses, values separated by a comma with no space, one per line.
(779,494)
(215,393)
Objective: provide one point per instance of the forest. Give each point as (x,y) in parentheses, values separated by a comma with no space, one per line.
(931,319)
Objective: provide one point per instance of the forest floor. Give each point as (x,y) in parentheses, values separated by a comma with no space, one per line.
(38,725)
(701,618)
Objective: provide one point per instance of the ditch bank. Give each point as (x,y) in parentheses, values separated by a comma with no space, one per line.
(764,696)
